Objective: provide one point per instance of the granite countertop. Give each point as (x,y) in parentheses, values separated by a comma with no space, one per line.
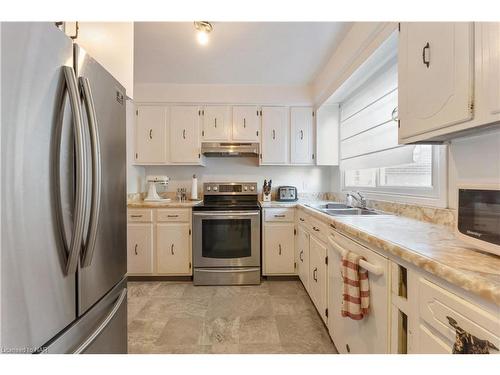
(172,204)
(433,248)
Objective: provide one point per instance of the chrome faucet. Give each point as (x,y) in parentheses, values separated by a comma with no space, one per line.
(361,201)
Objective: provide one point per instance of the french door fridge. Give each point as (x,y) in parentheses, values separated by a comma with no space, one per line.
(63,197)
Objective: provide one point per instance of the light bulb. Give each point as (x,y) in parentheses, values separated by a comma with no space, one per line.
(202,37)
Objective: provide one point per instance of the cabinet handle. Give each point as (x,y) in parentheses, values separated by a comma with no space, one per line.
(244,122)
(279,215)
(136,216)
(274,134)
(215,121)
(315,274)
(300,256)
(279,249)
(316,229)
(426,57)
(135,249)
(301,135)
(172,249)
(150,133)
(184,133)
(301,219)
(172,215)
(395,114)
(333,226)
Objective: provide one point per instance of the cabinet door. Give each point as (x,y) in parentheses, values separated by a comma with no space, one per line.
(318,275)
(139,248)
(279,251)
(275,135)
(435,76)
(151,134)
(185,134)
(246,124)
(303,256)
(301,134)
(492,63)
(216,123)
(173,249)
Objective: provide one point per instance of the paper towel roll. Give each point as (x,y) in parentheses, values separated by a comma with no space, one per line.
(194,188)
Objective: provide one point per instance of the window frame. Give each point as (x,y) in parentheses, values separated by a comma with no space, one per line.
(434,196)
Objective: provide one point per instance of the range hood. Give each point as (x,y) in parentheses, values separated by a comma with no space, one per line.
(225,149)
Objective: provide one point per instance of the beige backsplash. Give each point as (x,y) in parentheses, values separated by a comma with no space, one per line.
(441,216)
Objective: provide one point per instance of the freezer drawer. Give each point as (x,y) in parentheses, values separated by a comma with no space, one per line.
(103,329)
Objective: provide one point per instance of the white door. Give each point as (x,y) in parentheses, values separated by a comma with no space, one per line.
(173,249)
(435,76)
(279,254)
(139,248)
(275,135)
(216,123)
(318,275)
(246,123)
(185,134)
(369,335)
(301,135)
(151,134)
(303,256)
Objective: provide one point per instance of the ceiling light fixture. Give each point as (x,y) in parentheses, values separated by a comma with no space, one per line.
(204,28)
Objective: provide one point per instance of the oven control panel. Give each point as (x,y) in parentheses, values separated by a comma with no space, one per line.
(230,188)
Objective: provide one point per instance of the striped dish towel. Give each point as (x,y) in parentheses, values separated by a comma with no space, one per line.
(356,295)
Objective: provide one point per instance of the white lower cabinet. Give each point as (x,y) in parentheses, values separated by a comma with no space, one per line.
(159,242)
(279,249)
(303,256)
(318,275)
(140,248)
(173,248)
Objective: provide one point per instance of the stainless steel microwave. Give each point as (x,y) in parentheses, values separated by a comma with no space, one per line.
(478,221)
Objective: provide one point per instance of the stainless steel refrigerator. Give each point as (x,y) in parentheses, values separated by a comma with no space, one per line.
(63,197)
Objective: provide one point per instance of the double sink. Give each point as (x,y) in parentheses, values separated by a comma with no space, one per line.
(340,209)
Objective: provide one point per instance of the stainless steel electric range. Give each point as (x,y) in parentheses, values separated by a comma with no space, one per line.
(226,235)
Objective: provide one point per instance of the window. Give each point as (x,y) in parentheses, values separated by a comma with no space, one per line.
(372,161)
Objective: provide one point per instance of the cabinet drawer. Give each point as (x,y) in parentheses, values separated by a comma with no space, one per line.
(303,218)
(318,229)
(140,216)
(279,214)
(437,303)
(180,215)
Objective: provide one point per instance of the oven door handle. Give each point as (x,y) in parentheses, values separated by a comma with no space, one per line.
(227,213)
(252,269)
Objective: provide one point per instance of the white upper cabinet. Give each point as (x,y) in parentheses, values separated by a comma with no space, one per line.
(185,134)
(436,67)
(275,135)
(151,135)
(216,123)
(246,123)
(301,135)
(491,62)
(327,135)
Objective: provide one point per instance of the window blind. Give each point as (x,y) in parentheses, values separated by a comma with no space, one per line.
(368,133)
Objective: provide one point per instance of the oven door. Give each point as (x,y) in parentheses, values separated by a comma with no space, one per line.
(226,239)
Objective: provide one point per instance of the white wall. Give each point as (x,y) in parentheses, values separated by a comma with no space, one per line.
(135,174)
(305,178)
(210,94)
(473,160)
(112,44)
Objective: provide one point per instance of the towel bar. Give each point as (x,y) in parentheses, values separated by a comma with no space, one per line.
(376,270)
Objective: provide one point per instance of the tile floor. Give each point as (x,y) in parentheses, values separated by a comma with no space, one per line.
(178,317)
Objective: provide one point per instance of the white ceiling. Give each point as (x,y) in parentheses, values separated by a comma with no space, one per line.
(271,53)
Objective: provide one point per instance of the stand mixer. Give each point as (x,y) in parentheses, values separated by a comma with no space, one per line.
(152,193)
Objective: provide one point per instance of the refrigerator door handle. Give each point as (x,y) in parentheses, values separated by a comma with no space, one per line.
(80,189)
(96,172)
(89,340)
